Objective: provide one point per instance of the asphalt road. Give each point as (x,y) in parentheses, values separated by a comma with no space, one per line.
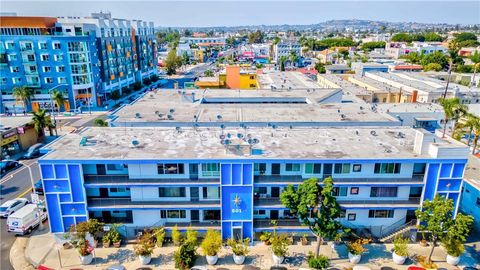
(14,184)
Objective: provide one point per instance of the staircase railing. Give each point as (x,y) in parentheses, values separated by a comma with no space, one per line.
(392,230)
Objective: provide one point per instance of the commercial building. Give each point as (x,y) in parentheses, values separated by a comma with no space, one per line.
(87,58)
(360,68)
(230,179)
(16,134)
(233,77)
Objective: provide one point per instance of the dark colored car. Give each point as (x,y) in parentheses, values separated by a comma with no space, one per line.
(6,166)
(39,187)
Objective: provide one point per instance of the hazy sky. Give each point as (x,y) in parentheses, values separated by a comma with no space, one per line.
(228,12)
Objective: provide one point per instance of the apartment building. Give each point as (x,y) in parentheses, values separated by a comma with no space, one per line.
(286,49)
(39,53)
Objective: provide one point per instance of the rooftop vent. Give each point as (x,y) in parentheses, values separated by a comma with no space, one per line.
(135,143)
(138,115)
(373,133)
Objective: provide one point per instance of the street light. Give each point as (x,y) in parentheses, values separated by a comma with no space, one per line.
(51,105)
(40,226)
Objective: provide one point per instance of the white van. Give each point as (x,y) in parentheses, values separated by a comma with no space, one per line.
(25,220)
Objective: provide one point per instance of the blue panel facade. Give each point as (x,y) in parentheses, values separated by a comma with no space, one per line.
(430,185)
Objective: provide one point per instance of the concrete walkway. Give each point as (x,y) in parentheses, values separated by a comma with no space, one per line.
(41,249)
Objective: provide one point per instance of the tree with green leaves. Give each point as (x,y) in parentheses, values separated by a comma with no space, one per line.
(22,94)
(370,46)
(100,122)
(42,120)
(401,37)
(255,37)
(172,62)
(435,57)
(293,57)
(320,67)
(475,58)
(316,207)
(436,217)
(282,60)
(432,67)
(59,99)
(453,110)
(208,73)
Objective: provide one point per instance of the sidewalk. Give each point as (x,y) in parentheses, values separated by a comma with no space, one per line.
(41,250)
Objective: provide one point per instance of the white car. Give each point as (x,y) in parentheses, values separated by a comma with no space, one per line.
(10,206)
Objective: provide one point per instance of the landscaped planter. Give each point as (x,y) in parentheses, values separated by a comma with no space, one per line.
(354,258)
(117,244)
(211,260)
(86,259)
(145,259)
(238,259)
(397,259)
(106,244)
(452,260)
(277,259)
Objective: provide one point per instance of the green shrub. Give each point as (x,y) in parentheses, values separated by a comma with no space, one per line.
(159,234)
(192,236)
(265,237)
(184,257)
(400,246)
(317,262)
(356,247)
(212,243)
(453,247)
(177,237)
(145,245)
(239,247)
(280,243)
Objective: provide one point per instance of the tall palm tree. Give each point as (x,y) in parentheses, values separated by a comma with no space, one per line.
(453,49)
(475,58)
(293,57)
(42,120)
(58,98)
(476,134)
(469,125)
(22,94)
(453,110)
(282,61)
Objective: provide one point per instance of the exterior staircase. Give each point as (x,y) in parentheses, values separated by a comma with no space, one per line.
(398,231)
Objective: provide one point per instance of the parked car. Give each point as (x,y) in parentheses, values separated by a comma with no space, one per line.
(38,187)
(25,220)
(6,166)
(33,151)
(9,207)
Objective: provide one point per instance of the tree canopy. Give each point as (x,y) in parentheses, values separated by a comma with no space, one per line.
(172,62)
(428,37)
(369,46)
(256,37)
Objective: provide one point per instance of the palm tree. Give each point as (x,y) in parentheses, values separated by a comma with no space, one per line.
(476,134)
(42,120)
(453,110)
(469,125)
(22,94)
(293,57)
(475,58)
(453,49)
(58,98)
(282,61)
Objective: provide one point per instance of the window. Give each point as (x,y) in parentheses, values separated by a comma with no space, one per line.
(42,45)
(48,80)
(57,46)
(260,190)
(341,168)
(387,168)
(9,45)
(45,57)
(47,69)
(259,212)
(12,57)
(419,168)
(357,167)
(171,192)
(15,69)
(380,213)
(313,168)
(343,213)
(170,168)
(292,167)
(173,214)
(118,190)
(383,192)
(339,191)
(260,168)
(211,193)
(60,69)
(17,80)
(30,57)
(352,217)
(116,167)
(210,169)
(62,80)
(354,190)
(58,57)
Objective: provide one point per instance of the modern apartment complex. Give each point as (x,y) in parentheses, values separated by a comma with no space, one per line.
(86,57)
(286,49)
(204,161)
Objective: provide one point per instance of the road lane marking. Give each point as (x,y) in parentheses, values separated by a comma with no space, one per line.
(25,192)
(10,176)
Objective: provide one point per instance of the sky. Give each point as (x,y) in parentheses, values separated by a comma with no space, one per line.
(234,13)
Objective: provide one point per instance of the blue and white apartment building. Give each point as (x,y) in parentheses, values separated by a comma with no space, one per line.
(208,170)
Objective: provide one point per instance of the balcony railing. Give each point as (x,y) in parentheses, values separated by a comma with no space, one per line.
(127,203)
(267,223)
(109,180)
(372,202)
(295,179)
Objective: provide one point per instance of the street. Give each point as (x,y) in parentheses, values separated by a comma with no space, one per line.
(14,184)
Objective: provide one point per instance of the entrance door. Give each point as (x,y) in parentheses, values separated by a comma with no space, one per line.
(194,195)
(275,192)
(274,214)
(237,233)
(195,216)
(275,168)
(193,168)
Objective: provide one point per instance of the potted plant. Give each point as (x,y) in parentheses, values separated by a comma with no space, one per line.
(184,257)
(304,239)
(422,260)
(211,244)
(85,250)
(355,250)
(317,262)
(116,239)
(192,236)
(239,249)
(106,240)
(176,236)
(454,249)
(265,237)
(144,248)
(159,234)
(423,242)
(280,243)
(400,250)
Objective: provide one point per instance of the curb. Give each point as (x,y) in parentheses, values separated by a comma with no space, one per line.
(20,256)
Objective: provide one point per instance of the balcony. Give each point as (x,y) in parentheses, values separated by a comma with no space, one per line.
(195,225)
(128,204)
(411,203)
(282,224)
(125,181)
(284,180)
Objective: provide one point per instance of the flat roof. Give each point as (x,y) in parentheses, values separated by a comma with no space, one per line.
(472,173)
(255,107)
(410,107)
(9,122)
(286,80)
(309,143)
